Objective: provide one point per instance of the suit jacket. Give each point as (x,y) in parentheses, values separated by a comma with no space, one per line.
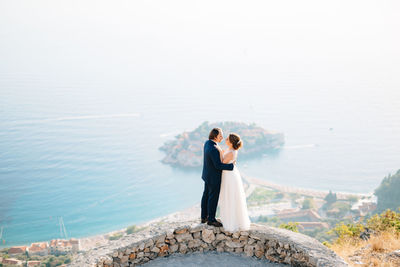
(212,166)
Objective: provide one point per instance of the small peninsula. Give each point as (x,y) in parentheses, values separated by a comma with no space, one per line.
(186,149)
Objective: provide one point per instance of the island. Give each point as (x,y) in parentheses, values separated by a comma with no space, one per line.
(186,149)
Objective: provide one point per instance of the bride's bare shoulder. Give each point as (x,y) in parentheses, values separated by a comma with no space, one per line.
(231,152)
(228,156)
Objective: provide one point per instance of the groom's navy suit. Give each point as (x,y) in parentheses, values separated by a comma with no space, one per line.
(212,171)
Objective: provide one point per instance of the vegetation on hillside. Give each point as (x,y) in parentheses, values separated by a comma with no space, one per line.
(134,229)
(46,261)
(375,242)
(115,236)
(308,203)
(292,226)
(388,193)
(368,239)
(53,261)
(261,196)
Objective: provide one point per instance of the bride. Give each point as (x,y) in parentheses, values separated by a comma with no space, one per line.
(232,199)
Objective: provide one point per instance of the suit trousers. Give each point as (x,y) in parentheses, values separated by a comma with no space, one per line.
(209,201)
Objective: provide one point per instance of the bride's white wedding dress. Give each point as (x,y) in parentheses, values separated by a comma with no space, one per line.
(232,200)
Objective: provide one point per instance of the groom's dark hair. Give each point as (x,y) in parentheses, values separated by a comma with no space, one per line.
(214,133)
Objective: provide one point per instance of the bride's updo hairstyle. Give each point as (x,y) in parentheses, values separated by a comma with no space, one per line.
(235,141)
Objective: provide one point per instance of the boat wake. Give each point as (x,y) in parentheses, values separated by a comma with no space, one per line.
(87,117)
(164,135)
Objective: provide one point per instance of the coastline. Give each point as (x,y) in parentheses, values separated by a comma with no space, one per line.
(299,190)
(192,213)
(188,214)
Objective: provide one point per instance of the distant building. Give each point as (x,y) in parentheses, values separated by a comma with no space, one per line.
(61,246)
(75,244)
(40,248)
(12,261)
(17,250)
(33,263)
(364,206)
(312,225)
(291,210)
(308,215)
(333,212)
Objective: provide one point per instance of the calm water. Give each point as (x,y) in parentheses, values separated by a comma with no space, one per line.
(89,91)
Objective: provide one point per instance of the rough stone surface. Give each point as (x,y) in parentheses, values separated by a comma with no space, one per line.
(260,242)
(208,235)
(233,244)
(183,237)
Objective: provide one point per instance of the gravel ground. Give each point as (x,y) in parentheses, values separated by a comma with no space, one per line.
(209,259)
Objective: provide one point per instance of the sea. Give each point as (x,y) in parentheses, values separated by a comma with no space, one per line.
(89,91)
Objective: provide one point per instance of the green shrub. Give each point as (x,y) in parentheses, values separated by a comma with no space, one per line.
(261,195)
(347,231)
(134,229)
(292,226)
(115,236)
(386,221)
(52,261)
(131,229)
(308,203)
(343,207)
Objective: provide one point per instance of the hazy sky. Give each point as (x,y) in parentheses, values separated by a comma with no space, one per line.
(192,45)
(326,73)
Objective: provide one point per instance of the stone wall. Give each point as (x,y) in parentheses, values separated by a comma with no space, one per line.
(263,242)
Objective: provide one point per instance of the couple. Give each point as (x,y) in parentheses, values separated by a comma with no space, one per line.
(223,184)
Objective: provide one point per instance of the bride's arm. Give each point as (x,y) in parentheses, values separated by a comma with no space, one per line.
(221,153)
(228,157)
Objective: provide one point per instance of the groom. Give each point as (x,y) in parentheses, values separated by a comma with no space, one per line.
(212,170)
